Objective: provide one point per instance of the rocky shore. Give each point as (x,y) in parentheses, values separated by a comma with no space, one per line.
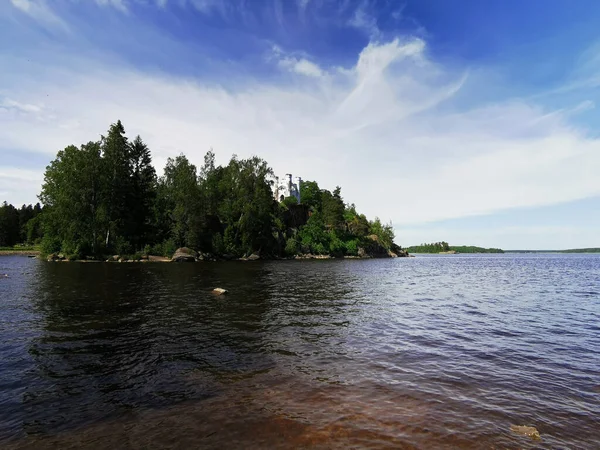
(185,254)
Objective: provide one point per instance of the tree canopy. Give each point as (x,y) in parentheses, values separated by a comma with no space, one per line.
(104,197)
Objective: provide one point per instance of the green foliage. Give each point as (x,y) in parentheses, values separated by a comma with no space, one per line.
(336,246)
(435,247)
(168,248)
(50,244)
(352,247)
(289,201)
(438,247)
(473,249)
(333,209)
(384,233)
(291,247)
(104,198)
(313,236)
(310,194)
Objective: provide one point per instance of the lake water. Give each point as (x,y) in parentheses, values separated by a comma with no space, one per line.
(431,352)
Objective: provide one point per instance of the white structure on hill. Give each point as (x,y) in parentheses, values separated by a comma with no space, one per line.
(287,188)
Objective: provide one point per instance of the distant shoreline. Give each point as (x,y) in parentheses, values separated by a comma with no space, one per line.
(573,250)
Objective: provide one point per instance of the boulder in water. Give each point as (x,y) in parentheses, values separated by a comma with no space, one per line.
(523,430)
(253,257)
(184,254)
(219,291)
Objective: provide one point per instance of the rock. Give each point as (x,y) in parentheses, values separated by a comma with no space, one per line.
(219,291)
(153,258)
(184,254)
(60,256)
(523,430)
(253,257)
(205,257)
(362,253)
(144,258)
(52,257)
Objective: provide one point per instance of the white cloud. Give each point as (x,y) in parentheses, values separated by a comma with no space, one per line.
(301,66)
(40,12)
(294,64)
(386,130)
(12,105)
(14,180)
(363,20)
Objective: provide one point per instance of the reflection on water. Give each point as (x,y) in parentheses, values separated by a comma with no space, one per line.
(430,352)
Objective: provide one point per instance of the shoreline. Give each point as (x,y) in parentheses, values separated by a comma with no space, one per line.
(162,259)
(20,252)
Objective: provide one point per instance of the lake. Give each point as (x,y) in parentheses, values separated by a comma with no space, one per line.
(429,352)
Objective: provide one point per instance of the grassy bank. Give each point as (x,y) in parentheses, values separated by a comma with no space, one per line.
(20,250)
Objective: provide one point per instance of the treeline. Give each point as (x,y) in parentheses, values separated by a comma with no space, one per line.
(105,198)
(19,225)
(439,247)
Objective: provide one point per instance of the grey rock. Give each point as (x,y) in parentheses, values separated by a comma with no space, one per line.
(184,254)
(523,430)
(219,291)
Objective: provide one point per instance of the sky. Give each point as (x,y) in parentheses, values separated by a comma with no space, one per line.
(458,120)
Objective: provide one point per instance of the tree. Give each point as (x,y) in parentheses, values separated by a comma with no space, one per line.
(246,208)
(74,215)
(181,196)
(105,197)
(310,194)
(118,195)
(9,225)
(313,236)
(333,209)
(143,195)
(384,233)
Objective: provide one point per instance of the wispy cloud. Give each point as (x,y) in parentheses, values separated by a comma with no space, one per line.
(377,128)
(40,11)
(364,20)
(8,104)
(292,63)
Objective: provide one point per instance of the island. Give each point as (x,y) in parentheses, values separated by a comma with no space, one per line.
(444,248)
(104,201)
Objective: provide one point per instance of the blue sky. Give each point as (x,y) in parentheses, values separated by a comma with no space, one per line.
(466,121)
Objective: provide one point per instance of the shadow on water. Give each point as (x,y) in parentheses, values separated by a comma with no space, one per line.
(113,338)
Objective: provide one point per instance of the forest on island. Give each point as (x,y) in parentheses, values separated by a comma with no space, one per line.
(440,247)
(104,197)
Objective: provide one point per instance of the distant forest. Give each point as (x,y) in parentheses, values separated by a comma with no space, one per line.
(105,198)
(19,225)
(440,247)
